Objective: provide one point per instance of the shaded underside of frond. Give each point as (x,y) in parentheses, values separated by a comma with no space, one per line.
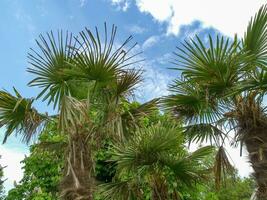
(201,133)
(191,103)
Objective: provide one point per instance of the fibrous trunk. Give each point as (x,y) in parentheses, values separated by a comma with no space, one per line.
(252,122)
(256,144)
(77,183)
(159,188)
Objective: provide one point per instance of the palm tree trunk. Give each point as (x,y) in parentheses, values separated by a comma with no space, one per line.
(253,133)
(256,143)
(159,188)
(77,183)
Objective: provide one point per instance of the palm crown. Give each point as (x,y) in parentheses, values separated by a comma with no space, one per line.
(221,89)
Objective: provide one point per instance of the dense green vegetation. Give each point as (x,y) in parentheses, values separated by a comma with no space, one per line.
(102,145)
(43,170)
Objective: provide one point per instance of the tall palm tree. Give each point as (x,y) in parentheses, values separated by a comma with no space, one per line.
(153,164)
(87,79)
(221,90)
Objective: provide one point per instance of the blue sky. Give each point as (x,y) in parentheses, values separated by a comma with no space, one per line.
(157,26)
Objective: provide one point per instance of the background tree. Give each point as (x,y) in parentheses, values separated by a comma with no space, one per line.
(43,168)
(221,88)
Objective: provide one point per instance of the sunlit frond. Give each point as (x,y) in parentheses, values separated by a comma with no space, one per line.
(255,38)
(18,115)
(147,146)
(214,68)
(99,58)
(49,65)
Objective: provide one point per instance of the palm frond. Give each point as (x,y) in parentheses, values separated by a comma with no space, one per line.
(256,81)
(255,38)
(49,65)
(187,168)
(121,190)
(147,146)
(18,115)
(201,153)
(215,68)
(127,81)
(191,103)
(131,118)
(200,133)
(99,59)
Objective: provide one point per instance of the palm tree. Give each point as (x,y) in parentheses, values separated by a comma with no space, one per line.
(221,90)
(153,164)
(88,80)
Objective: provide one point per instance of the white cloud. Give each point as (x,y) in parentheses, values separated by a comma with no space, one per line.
(150,42)
(121,4)
(13,172)
(228,16)
(155,85)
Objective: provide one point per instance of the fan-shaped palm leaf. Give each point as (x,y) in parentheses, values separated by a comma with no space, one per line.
(255,38)
(121,190)
(192,103)
(200,133)
(100,60)
(215,68)
(18,115)
(50,64)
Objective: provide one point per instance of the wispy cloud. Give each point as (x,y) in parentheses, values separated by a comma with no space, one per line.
(155,83)
(121,4)
(82,3)
(150,41)
(136,29)
(25,20)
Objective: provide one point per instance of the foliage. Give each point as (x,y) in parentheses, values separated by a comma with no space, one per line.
(42,169)
(154,160)
(1,183)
